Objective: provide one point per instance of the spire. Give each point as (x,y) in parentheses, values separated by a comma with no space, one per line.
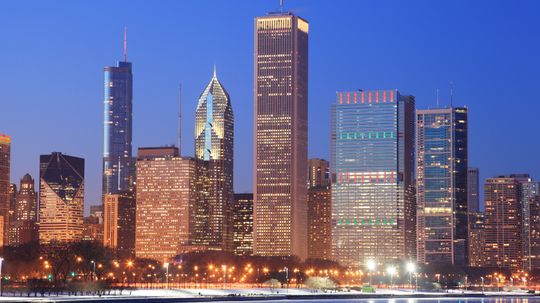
(125,44)
(215,77)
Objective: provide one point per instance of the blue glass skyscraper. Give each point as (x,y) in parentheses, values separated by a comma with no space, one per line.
(118,164)
(441,185)
(372,166)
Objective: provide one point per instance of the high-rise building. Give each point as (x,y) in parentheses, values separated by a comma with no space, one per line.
(119,223)
(503,226)
(118,164)
(473,190)
(214,139)
(243,224)
(281,135)
(476,239)
(441,185)
(318,172)
(530,217)
(319,223)
(372,167)
(61,198)
(23,228)
(5,157)
(92,229)
(165,197)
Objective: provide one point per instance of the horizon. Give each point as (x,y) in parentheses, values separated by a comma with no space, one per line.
(489,55)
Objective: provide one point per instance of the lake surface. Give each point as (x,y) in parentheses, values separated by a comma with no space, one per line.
(413,300)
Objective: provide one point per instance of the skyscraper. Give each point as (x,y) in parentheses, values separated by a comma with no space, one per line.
(318,173)
(214,140)
(503,225)
(119,223)
(118,164)
(165,196)
(5,157)
(23,228)
(473,190)
(281,118)
(61,198)
(372,167)
(441,185)
(530,218)
(243,224)
(476,239)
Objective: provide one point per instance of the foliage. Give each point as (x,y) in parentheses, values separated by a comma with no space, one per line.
(320,283)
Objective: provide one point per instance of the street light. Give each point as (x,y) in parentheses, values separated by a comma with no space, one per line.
(166,265)
(94,272)
(1,290)
(371,265)
(482,278)
(391,270)
(224,268)
(411,268)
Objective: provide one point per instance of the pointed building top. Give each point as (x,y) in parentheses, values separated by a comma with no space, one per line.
(214,72)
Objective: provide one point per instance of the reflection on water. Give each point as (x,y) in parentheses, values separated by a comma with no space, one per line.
(420,300)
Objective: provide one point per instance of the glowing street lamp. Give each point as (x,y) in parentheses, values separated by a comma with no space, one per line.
(1,261)
(411,268)
(371,265)
(166,265)
(391,270)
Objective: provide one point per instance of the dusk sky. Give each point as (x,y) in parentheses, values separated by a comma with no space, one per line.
(52,56)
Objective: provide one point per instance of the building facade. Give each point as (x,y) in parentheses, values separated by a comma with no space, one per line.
(214,140)
(61,198)
(5,165)
(119,223)
(441,185)
(23,227)
(372,168)
(473,190)
(118,164)
(318,173)
(319,223)
(281,135)
(243,224)
(476,239)
(503,224)
(165,189)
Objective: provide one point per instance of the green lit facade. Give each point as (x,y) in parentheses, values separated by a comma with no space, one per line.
(372,166)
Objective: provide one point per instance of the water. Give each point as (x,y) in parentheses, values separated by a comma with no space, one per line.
(413,300)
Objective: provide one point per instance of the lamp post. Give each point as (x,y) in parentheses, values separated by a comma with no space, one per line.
(94,270)
(287,278)
(1,290)
(224,268)
(411,268)
(482,279)
(371,264)
(391,270)
(166,265)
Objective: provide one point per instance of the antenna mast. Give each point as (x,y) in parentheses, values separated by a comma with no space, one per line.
(180,119)
(281,5)
(451,93)
(437,98)
(125,44)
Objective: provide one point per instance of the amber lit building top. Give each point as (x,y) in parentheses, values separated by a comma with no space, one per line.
(281,118)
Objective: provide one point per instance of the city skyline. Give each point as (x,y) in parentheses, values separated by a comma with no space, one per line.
(472,81)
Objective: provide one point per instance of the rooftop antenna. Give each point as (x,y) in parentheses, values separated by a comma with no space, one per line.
(125,44)
(180,119)
(214,70)
(437,98)
(451,93)
(281,6)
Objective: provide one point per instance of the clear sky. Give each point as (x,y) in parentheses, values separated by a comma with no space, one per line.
(52,55)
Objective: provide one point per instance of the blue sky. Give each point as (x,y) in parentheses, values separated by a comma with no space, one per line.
(52,55)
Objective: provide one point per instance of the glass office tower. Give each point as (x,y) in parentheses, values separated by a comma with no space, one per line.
(214,142)
(372,167)
(118,164)
(441,185)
